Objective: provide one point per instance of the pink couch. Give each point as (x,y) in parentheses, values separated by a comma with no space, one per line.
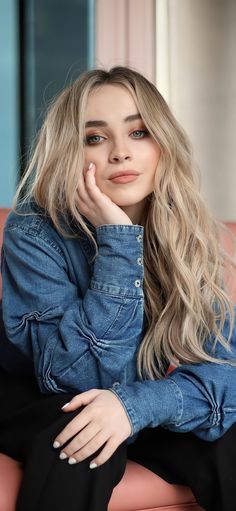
(139,489)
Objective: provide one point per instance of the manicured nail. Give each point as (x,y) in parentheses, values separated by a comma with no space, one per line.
(63,456)
(64,406)
(93,465)
(56,445)
(90,165)
(72,461)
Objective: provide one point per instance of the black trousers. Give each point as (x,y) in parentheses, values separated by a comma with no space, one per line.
(29,422)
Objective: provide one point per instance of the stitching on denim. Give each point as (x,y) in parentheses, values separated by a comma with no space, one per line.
(119,311)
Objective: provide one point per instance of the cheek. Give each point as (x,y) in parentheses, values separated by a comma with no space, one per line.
(96,155)
(155,160)
(88,156)
(150,153)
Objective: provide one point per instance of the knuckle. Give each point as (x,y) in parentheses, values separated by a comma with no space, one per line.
(71,448)
(73,428)
(94,445)
(113,446)
(102,458)
(83,208)
(82,438)
(82,454)
(62,438)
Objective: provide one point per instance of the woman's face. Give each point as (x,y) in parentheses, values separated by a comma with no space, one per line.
(117,141)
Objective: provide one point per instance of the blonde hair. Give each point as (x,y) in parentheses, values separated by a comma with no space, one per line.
(184,264)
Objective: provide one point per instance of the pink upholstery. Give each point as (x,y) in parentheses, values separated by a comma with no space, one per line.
(10,479)
(139,489)
(3,215)
(142,490)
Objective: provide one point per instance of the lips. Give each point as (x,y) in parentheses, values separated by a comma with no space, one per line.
(124,173)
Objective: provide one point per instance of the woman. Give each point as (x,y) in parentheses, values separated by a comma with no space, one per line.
(113,272)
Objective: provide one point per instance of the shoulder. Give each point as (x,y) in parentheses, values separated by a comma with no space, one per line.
(30,227)
(27,217)
(30,222)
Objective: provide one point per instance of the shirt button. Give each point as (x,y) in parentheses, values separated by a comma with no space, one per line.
(139,237)
(137,283)
(116,384)
(140,261)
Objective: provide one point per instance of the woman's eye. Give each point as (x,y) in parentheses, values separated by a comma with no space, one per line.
(93,139)
(139,133)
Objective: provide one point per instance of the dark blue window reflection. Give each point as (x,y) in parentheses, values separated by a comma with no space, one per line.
(56,46)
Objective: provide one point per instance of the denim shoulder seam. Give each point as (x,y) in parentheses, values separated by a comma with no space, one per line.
(36,233)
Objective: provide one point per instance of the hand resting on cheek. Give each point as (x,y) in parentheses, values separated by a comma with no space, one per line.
(96,205)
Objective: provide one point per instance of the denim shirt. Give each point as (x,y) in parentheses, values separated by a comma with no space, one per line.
(81,320)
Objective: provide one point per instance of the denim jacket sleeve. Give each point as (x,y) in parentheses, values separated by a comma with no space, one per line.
(195,397)
(76,342)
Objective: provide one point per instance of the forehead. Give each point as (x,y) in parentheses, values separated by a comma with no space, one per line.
(108,101)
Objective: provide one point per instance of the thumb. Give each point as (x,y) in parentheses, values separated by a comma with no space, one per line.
(82,399)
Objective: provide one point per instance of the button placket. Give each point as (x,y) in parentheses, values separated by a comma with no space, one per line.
(139,261)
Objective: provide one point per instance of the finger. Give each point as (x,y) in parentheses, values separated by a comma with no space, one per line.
(90,448)
(81,188)
(80,441)
(82,399)
(74,427)
(106,453)
(92,189)
(82,193)
(81,420)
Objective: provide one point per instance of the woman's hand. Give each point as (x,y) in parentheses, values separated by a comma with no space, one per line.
(103,422)
(96,205)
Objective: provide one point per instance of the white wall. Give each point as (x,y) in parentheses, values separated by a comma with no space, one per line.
(198,78)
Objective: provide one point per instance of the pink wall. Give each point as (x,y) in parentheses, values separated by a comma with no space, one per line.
(125,34)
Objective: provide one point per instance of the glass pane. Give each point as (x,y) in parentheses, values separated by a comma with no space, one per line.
(57,47)
(9,118)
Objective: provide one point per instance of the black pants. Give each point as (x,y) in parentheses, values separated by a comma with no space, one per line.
(30,421)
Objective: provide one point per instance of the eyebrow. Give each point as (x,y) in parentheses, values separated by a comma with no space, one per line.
(129,118)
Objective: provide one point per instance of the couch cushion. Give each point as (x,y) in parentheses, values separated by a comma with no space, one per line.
(10,480)
(142,489)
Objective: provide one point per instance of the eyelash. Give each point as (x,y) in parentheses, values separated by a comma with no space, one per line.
(88,139)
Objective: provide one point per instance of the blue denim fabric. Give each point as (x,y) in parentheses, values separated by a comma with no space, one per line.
(81,322)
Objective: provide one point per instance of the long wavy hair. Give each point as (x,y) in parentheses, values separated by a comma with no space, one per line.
(186,302)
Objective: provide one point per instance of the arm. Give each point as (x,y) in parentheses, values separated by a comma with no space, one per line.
(77,342)
(198,398)
(195,397)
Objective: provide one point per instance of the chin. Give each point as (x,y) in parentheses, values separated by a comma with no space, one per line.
(127,199)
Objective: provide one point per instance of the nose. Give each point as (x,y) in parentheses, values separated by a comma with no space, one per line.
(119,153)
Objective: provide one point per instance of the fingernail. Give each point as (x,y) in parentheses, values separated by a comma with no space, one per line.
(63,456)
(64,406)
(72,461)
(93,465)
(56,445)
(90,165)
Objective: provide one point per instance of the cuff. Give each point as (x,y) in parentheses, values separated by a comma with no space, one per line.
(118,268)
(150,403)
